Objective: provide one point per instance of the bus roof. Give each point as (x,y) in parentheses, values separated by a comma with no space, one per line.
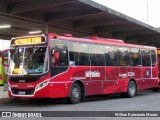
(98,40)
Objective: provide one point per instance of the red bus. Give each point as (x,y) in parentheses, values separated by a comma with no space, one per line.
(158,57)
(62,66)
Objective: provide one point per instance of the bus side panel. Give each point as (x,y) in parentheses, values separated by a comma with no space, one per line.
(97,75)
(112,77)
(82,74)
(125,74)
(154,77)
(146,77)
(63,81)
(57,90)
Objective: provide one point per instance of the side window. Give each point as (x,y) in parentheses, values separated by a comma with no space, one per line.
(146,61)
(135,57)
(111,55)
(59,53)
(97,55)
(78,53)
(153,56)
(124,56)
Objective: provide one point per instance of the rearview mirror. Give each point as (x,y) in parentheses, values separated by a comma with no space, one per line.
(5,58)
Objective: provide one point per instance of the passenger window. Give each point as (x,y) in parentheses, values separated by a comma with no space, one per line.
(97,55)
(124,56)
(146,60)
(78,53)
(135,57)
(111,56)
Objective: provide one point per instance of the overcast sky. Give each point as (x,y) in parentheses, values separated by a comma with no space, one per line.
(136,9)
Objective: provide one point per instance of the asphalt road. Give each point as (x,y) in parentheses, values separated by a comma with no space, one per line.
(144,101)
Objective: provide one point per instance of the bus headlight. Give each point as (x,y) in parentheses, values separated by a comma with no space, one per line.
(41,84)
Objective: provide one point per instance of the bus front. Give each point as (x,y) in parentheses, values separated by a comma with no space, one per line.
(28,70)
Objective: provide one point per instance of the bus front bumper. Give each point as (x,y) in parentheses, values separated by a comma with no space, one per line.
(49,90)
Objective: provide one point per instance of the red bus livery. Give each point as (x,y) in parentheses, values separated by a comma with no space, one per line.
(59,66)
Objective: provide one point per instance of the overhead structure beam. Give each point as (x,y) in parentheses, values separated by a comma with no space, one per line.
(132,32)
(110,28)
(157,44)
(6,36)
(3,6)
(142,36)
(89,32)
(14,32)
(60,30)
(150,40)
(54,17)
(24,6)
(22,23)
(92,23)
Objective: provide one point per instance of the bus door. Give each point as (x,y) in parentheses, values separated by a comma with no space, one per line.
(146,68)
(97,72)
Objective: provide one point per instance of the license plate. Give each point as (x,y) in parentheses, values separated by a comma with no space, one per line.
(21,92)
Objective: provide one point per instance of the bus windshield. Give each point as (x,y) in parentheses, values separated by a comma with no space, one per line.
(28,60)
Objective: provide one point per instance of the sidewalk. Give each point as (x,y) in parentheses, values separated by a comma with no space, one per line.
(3,94)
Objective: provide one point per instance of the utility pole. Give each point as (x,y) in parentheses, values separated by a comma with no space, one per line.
(147,12)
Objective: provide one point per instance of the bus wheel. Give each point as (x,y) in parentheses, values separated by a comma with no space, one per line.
(132,89)
(75,94)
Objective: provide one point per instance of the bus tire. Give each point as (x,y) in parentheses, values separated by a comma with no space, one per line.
(75,94)
(132,89)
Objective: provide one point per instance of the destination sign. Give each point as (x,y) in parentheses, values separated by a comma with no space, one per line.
(28,41)
(158,51)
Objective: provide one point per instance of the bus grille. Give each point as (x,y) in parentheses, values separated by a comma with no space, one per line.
(22,91)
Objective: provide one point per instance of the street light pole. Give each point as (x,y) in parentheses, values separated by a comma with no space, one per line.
(147,11)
